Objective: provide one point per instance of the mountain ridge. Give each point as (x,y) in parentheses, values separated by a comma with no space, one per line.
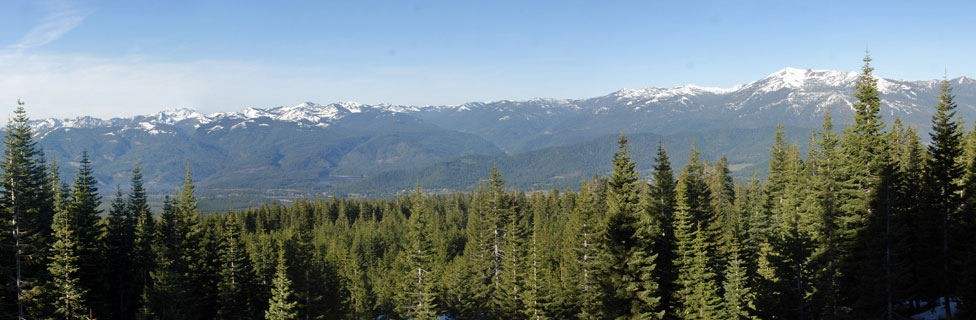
(316,148)
(786,78)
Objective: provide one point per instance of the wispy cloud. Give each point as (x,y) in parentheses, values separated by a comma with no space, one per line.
(60,20)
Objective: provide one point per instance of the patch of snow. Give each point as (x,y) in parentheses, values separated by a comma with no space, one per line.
(936,313)
(352,106)
(176,115)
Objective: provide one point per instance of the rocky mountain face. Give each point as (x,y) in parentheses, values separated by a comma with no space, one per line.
(311,146)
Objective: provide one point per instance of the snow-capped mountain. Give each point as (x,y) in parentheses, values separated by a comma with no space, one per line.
(789,96)
(309,143)
(304,114)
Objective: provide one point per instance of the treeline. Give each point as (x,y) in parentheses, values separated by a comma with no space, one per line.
(870,224)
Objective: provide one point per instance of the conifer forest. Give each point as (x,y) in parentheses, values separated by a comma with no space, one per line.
(872,223)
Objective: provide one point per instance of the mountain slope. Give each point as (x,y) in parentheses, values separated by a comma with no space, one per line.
(565,166)
(256,148)
(310,148)
(791,97)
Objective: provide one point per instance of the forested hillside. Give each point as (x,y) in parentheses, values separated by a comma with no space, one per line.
(866,223)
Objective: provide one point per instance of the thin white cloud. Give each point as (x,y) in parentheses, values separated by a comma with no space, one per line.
(58,22)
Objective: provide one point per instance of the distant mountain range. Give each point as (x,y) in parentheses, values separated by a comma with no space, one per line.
(344,148)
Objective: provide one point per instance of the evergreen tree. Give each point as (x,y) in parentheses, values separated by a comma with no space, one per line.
(234,288)
(767,284)
(702,300)
(26,209)
(738,299)
(120,232)
(697,195)
(281,306)
(827,181)
(143,235)
(911,197)
(309,275)
(791,242)
(662,207)
(190,264)
(581,257)
(512,277)
(942,183)
(629,278)
(722,191)
(416,299)
(534,296)
(166,296)
(477,261)
(67,297)
(83,214)
(865,155)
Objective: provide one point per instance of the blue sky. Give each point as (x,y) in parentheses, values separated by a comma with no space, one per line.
(121,58)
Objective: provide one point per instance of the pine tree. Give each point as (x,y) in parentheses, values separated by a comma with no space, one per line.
(697,195)
(166,297)
(738,298)
(84,214)
(535,293)
(191,263)
(912,162)
(865,156)
(27,212)
(684,248)
(281,306)
(702,299)
(722,191)
(234,288)
(477,261)
(67,295)
(512,277)
(827,181)
(943,185)
(313,292)
(581,257)
(791,242)
(904,187)
(632,289)
(416,299)
(120,238)
(662,207)
(142,254)
(767,284)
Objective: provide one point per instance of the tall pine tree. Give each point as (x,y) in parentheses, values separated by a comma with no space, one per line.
(661,210)
(942,183)
(632,290)
(281,306)
(27,212)
(416,300)
(67,297)
(120,233)
(84,216)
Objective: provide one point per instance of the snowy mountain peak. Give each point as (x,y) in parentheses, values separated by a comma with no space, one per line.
(176,115)
(793,78)
(308,104)
(653,93)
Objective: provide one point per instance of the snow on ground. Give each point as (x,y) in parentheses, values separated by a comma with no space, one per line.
(936,313)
